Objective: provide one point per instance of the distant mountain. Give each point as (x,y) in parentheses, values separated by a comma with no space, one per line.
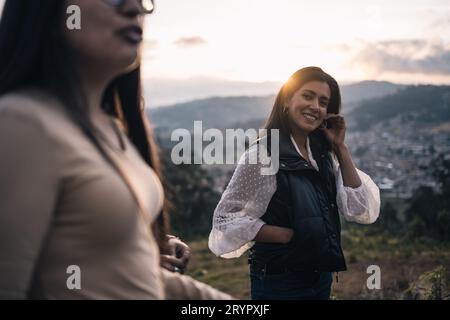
(214,112)
(394,132)
(160,92)
(225,112)
(368,90)
(423,104)
(353,94)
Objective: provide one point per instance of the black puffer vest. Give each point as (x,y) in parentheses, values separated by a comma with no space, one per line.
(305,200)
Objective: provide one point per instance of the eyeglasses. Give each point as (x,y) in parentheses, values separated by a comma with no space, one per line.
(147,5)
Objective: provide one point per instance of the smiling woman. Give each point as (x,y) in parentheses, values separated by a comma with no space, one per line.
(290,220)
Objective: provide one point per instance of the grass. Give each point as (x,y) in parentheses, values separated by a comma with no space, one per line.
(409,269)
(228,275)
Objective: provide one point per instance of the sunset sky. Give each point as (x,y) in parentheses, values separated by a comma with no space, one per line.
(200,48)
(405,41)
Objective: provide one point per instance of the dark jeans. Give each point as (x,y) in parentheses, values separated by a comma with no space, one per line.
(290,285)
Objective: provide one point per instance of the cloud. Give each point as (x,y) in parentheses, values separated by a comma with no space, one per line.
(189,42)
(404,56)
(441,21)
(441,25)
(149,49)
(150,44)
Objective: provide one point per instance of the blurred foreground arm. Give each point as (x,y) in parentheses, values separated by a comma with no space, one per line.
(180,287)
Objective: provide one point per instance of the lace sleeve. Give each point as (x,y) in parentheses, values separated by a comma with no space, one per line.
(236,218)
(361,204)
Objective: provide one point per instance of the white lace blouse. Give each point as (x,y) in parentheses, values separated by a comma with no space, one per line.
(237,220)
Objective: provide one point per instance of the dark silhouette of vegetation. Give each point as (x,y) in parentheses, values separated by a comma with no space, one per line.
(389,219)
(192,199)
(429,210)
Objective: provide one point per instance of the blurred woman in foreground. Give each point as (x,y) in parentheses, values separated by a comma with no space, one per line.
(80,181)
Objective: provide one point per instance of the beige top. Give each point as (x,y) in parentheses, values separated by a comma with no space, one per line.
(62,204)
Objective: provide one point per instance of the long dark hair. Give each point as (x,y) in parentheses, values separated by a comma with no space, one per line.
(279,119)
(34,53)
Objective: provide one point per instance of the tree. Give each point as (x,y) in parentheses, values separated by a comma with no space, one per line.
(192,197)
(388,220)
(429,210)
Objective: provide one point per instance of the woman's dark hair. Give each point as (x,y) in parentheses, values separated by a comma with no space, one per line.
(34,53)
(279,119)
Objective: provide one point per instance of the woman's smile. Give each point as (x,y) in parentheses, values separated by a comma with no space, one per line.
(310,116)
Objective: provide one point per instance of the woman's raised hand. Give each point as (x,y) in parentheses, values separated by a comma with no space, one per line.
(335,130)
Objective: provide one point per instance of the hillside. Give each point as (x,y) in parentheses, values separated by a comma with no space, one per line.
(409,271)
(365,90)
(215,112)
(226,112)
(421,105)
